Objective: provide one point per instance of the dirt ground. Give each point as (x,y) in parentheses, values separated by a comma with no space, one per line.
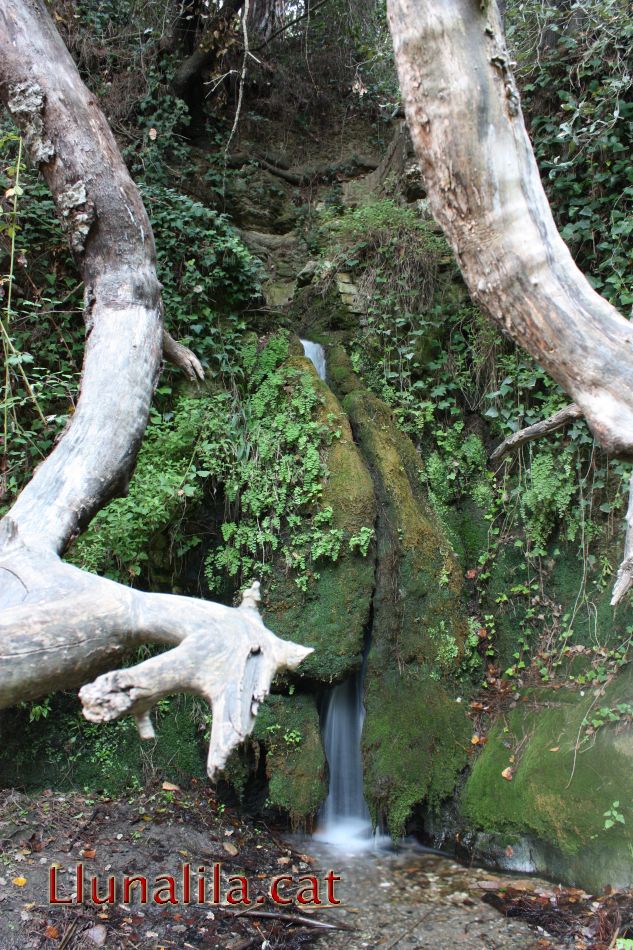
(404,899)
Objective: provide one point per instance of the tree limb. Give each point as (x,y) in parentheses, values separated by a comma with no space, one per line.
(624,579)
(59,625)
(538,430)
(182,357)
(464,113)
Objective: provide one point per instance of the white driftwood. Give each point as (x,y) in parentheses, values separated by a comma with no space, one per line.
(624,579)
(59,626)
(465,118)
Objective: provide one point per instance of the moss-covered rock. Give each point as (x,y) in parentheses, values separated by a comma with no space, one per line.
(418,611)
(415,734)
(332,616)
(563,786)
(414,744)
(288,729)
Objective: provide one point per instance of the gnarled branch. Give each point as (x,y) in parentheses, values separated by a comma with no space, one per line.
(484,189)
(59,625)
(538,430)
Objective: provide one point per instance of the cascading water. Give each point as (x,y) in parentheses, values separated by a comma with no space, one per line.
(316,355)
(344,818)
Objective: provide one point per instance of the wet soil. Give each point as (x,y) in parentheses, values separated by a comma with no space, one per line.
(405,898)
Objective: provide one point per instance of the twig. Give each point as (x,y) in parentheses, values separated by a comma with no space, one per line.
(410,929)
(539,429)
(308,13)
(294,918)
(69,935)
(240,94)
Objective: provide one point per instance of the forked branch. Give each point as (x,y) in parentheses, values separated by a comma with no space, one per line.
(60,626)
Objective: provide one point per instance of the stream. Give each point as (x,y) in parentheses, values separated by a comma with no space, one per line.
(415,900)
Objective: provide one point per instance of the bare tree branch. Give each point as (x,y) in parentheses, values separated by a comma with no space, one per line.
(182,357)
(538,430)
(464,113)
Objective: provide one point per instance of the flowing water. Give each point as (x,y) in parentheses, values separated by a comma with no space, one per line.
(344,818)
(316,355)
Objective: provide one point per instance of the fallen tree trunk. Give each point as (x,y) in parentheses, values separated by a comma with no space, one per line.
(484,189)
(60,625)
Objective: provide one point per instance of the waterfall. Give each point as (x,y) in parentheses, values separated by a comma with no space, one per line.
(316,355)
(344,818)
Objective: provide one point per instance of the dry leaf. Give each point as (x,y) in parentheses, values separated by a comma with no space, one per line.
(19,881)
(230,848)
(170,787)
(52,932)
(88,853)
(508,774)
(555,749)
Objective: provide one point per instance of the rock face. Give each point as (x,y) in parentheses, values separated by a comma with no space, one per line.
(288,734)
(565,792)
(415,734)
(404,596)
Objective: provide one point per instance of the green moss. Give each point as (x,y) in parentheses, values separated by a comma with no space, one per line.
(559,792)
(415,743)
(332,615)
(416,735)
(63,750)
(288,728)
(341,375)
(419,579)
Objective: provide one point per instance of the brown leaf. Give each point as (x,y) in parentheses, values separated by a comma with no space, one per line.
(170,787)
(52,932)
(88,853)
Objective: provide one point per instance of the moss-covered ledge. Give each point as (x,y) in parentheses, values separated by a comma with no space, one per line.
(562,786)
(333,614)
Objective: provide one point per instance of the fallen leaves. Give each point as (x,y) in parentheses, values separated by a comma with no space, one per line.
(508,774)
(19,881)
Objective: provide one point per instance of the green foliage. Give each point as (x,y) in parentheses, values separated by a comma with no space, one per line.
(68,752)
(577,92)
(273,478)
(545,502)
(208,275)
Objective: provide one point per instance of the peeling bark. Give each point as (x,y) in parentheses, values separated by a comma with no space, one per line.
(59,626)
(464,113)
